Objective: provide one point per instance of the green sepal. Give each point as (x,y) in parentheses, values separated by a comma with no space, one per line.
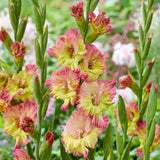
(48,154)
(44,70)
(36,89)
(44,40)
(12,15)
(151,108)
(45,106)
(122,114)
(21,29)
(111,155)
(43,14)
(144,12)
(38,21)
(19,63)
(141,36)
(148,23)
(147,47)
(144,106)
(108,141)
(9,70)
(91,36)
(81,24)
(64,155)
(137,59)
(125,155)
(93,5)
(151,136)
(150,3)
(18,8)
(39,57)
(35,3)
(119,143)
(147,73)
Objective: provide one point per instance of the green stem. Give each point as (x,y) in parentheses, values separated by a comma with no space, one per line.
(87,19)
(30,151)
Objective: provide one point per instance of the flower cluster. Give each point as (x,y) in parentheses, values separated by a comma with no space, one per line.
(77,84)
(17,105)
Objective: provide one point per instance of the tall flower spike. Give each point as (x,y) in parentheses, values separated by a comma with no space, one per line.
(94,62)
(132,115)
(95,97)
(69,49)
(64,85)
(79,133)
(141,133)
(14,120)
(98,25)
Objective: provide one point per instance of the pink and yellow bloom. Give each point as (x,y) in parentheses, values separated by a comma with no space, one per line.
(18,50)
(132,115)
(64,85)
(95,97)
(19,120)
(69,49)
(94,62)
(3,80)
(80,133)
(21,155)
(100,24)
(20,87)
(141,133)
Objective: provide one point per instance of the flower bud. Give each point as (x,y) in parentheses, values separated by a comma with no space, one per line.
(78,14)
(147,72)
(18,50)
(46,144)
(6,39)
(127,81)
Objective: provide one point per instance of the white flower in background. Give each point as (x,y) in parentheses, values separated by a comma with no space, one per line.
(124,54)
(126,94)
(101,47)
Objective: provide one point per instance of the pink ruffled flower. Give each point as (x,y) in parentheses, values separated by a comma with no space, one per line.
(132,115)
(95,97)
(17,122)
(77,10)
(18,50)
(69,49)
(3,80)
(21,155)
(141,133)
(100,24)
(64,85)
(80,133)
(94,62)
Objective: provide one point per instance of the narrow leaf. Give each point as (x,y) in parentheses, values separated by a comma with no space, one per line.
(108,141)
(122,114)
(151,108)
(125,155)
(119,143)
